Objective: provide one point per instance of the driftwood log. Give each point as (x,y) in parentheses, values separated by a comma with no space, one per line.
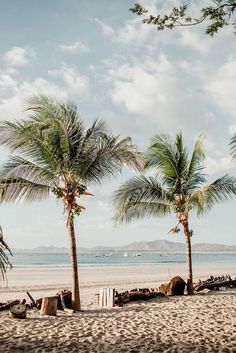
(135,295)
(31,299)
(18,311)
(64,302)
(215,283)
(8,305)
(49,306)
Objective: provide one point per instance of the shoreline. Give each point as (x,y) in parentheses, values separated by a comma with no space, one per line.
(125,251)
(48,281)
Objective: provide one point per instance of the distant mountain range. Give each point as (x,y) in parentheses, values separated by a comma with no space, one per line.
(155,245)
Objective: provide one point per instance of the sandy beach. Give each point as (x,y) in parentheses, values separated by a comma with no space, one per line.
(199,323)
(47,281)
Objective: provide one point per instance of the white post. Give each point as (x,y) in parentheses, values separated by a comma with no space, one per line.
(106,297)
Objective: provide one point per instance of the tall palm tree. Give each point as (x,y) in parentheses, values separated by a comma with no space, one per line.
(178,186)
(54,153)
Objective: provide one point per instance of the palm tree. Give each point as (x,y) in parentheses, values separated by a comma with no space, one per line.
(54,153)
(178,186)
(4,261)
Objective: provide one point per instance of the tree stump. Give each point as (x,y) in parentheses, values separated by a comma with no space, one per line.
(18,311)
(49,306)
(176,286)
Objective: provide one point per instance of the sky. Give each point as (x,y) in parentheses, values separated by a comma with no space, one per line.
(140,81)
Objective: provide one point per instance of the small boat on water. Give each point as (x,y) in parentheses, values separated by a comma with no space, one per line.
(137,254)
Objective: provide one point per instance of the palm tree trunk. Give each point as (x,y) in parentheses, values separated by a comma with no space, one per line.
(189,257)
(75,278)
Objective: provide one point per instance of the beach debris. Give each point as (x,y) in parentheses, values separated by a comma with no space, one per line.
(31,299)
(64,301)
(176,286)
(215,283)
(9,304)
(106,297)
(136,295)
(18,311)
(49,306)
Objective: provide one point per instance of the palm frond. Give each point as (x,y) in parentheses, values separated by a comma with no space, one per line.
(233,146)
(4,260)
(170,161)
(161,156)
(195,176)
(17,166)
(107,157)
(16,189)
(32,142)
(141,197)
(217,192)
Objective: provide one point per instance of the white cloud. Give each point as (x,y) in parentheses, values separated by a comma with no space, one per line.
(195,40)
(106,29)
(13,105)
(219,165)
(75,48)
(133,32)
(7,82)
(222,86)
(17,56)
(74,80)
(159,90)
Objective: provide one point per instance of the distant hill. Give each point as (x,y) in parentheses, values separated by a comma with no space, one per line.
(155,245)
(42,249)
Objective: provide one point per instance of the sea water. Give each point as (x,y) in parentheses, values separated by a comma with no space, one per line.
(209,261)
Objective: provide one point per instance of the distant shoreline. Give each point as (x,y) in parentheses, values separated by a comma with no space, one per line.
(123,251)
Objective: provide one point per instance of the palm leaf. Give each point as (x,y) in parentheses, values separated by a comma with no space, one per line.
(217,192)
(4,260)
(141,197)
(16,188)
(233,146)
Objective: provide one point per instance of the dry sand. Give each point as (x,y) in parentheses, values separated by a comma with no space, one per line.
(200,323)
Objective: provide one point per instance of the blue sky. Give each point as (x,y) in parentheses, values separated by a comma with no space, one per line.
(139,80)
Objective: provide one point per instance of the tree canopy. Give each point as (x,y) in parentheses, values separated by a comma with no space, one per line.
(218,14)
(177,185)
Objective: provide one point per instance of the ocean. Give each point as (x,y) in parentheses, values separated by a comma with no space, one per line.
(222,261)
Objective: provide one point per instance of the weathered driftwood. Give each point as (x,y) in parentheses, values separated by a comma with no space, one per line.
(64,302)
(135,295)
(18,311)
(176,286)
(215,283)
(31,299)
(49,306)
(9,304)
